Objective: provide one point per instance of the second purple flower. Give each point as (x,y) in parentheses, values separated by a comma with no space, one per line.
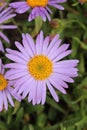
(38,8)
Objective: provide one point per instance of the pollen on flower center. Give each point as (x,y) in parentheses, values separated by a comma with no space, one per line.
(40,67)
(34,3)
(3,82)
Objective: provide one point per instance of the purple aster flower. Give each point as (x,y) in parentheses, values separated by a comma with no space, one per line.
(6,91)
(39,66)
(38,7)
(4,16)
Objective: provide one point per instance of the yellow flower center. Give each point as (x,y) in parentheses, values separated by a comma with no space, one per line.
(34,3)
(40,67)
(3,82)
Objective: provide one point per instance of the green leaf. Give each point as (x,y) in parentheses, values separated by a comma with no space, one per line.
(3,126)
(54,105)
(41,120)
(20,114)
(38,24)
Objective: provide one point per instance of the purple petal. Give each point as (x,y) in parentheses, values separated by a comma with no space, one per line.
(43,92)
(52,91)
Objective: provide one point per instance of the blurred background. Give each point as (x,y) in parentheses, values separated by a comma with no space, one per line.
(71,111)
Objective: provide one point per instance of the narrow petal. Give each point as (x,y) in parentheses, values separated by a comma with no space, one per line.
(7,27)
(45,45)
(32,92)
(27,47)
(1,47)
(52,91)
(39,91)
(25,85)
(21,49)
(9,98)
(57,85)
(1,101)
(4,37)
(15,66)
(52,43)
(16,59)
(43,92)
(62,55)
(5,100)
(39,43)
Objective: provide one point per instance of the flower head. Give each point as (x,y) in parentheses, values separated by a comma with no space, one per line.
(6,91)
(4,16)
(38,8)
(38,66)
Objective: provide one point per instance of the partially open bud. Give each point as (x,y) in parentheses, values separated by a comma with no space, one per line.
(54,23)
(2,2)
(82,1)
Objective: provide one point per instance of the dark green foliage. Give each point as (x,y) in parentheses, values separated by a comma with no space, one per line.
(71,111)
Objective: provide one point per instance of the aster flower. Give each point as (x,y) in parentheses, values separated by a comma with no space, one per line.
(39,66)
(6,91)
(4,16)
(38,7)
